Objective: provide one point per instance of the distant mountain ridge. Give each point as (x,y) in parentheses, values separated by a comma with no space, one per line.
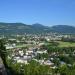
(64,28)
(21,28)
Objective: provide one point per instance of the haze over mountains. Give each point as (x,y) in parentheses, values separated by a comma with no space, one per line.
(21,28)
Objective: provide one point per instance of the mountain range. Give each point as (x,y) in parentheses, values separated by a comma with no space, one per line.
(21,28)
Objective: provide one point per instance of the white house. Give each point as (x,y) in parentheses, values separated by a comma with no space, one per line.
(21,53)
(48,62)
(29,52)
(22,61)
(41,52)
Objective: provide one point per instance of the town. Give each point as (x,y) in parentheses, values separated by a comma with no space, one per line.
(52,50)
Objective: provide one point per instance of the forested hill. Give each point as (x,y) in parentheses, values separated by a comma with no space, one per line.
(64,29)
(20,28)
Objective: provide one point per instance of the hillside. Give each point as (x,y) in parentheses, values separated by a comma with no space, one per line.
(63,29)
(20,28)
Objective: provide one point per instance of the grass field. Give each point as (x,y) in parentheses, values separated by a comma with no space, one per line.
(24,45)
(65,44)
(61,44)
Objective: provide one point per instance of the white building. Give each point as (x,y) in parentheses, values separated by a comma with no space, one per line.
(41,52)
(22,61)
(48,62)
(21,53)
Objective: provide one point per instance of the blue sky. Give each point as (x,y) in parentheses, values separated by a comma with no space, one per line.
(46,12)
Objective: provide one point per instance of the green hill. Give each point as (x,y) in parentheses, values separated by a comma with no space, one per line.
(20,28)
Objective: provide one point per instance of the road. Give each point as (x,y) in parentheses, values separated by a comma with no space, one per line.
(2,68)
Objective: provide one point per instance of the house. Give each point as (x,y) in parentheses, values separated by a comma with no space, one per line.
(22,61)
(21,53)
(27,57)
(41,52)
(53,67)
(41,62)
(29,52)
(8,46)
(48,62)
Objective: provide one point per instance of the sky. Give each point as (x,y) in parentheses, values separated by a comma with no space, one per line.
(46,12)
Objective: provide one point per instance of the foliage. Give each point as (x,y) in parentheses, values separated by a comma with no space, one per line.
(3,52)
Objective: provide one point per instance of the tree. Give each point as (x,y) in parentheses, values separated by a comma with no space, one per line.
(64,70)
(3,53)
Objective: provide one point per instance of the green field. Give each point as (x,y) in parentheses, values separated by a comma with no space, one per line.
(24,45)
(65,44)
(61,44)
